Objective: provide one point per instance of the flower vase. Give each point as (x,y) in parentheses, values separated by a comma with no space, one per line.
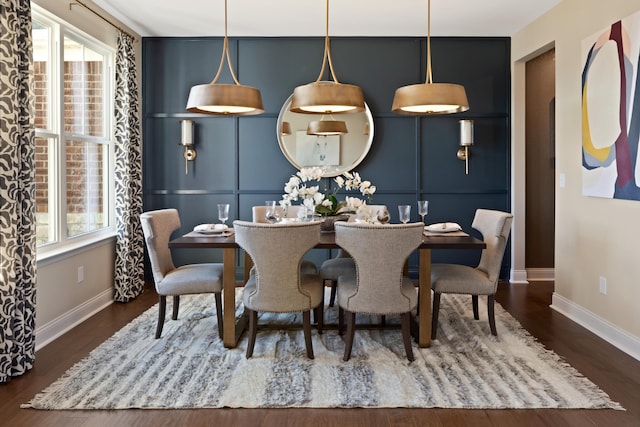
(328,222)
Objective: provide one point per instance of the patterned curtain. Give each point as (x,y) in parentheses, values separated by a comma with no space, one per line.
(17,191)
(129,268)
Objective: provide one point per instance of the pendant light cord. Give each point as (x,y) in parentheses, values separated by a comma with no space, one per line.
(429,77)
(327,50)
(225,52)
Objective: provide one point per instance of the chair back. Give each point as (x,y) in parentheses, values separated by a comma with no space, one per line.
(157,227)
(495,227)
(259,212)
(277,251)
(379,252)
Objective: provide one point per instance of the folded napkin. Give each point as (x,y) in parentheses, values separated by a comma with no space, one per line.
(210,228)
(443,227)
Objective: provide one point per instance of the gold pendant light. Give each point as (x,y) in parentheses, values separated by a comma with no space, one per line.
(327,97)
(225,99)
(324,127)
(430,98)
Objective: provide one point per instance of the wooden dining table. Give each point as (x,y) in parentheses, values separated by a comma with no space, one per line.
(233,328)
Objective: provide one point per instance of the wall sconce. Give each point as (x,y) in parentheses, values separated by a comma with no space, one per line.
(466,140)
(187,142)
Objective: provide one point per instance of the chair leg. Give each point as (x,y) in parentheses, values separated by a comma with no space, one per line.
(162,308)
(474,302)
(306,326)
(218,297)
(383,320)
(490,311)
(340,321)
(334,287)
(176,307)
(253,329)
(351,331)
(406,335)
(318,313)
(434,315)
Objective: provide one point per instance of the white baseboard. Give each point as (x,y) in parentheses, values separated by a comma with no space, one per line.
(534,274)
(519,276)
(58,326)
(607,331)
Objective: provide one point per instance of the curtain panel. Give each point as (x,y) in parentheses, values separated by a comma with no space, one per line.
(17,191)
(129,264)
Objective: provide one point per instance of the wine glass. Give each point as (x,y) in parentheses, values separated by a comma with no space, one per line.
(423,208)
(405,213)
(223,212)
(271,213)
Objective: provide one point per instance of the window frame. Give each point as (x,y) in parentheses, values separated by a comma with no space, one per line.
(62,243)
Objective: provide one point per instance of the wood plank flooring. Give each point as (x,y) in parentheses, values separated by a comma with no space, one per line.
(615,372)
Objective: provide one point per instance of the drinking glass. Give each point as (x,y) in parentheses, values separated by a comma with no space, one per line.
(271,213)
(423,208)
(223,212)
(405,213)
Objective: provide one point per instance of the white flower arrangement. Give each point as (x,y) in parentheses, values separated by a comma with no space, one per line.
(325,203)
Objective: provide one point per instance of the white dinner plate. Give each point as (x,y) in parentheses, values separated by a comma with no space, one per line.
(210,229)
(443,227)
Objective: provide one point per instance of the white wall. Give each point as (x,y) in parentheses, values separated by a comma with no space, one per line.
(62,302)
(594,236)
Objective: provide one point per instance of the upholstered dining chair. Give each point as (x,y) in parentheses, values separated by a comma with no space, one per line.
(340,265)
(378,286)
(157,227)
(259,212)
(259,215)
(495,227)
(278,283)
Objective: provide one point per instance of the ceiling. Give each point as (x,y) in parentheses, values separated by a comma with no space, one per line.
(268,18)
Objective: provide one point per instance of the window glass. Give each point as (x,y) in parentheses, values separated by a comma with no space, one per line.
(42,70)
(45,206)
(85,187)
(83,89)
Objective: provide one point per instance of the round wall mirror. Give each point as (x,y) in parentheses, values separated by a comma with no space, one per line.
(335,153)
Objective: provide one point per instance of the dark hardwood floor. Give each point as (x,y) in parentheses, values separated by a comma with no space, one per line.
(615,372)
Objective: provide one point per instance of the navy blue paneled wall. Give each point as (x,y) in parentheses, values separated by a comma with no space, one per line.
(239,160)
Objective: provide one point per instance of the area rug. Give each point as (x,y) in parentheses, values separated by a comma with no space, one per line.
(466,367)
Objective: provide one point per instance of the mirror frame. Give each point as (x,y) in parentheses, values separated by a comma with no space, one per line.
(368,139)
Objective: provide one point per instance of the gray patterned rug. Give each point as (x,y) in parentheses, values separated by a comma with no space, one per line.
(188,367)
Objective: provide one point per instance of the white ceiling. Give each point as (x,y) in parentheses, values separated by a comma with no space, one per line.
(268,18)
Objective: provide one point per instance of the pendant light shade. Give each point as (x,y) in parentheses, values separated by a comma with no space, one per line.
(327,127)
(430,98)
(225,99)
(327,97)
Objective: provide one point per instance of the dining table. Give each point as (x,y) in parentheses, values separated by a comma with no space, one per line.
(233,328)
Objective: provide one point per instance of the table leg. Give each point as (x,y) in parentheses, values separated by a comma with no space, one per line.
(424,298)
(229,297)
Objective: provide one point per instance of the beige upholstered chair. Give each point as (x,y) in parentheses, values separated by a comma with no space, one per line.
(482,280)
(378,286)
(259,212)
(277,283)
(259,215)
(169,280)
(340,265)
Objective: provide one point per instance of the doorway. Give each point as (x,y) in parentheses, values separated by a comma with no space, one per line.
(540,166)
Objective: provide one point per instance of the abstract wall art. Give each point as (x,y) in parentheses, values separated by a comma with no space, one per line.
(611,111)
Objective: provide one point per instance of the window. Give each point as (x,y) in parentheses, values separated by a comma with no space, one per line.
(73,88)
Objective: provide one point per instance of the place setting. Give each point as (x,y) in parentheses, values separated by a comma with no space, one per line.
(214,230)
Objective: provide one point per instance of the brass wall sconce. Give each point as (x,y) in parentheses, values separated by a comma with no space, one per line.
(186,141)
(466,140)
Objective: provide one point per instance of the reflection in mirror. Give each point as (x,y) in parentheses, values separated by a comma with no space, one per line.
(335,153)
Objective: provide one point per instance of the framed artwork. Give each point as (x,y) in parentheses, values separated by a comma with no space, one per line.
(611,111)
(315,150)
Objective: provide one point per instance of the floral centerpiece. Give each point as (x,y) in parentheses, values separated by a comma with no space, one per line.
(305,186)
